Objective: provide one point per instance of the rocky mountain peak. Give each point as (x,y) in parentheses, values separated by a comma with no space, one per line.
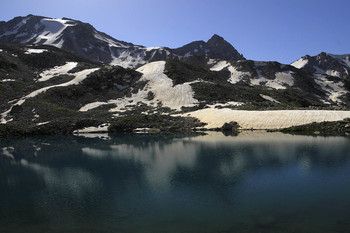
(326,64)
(222,49)
(216,47)
(216,39)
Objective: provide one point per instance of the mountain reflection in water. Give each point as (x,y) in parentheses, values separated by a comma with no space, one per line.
(255,182)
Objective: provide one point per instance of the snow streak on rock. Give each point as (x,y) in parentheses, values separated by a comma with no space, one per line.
(79,77)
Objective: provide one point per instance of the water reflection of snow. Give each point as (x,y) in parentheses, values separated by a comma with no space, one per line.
(160,161)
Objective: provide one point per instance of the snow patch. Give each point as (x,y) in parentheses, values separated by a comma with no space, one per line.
(56,71)
(220,66)
(225,105)
(148,49)
(344,58)
(236,75)
(15,29)
(93,105)
(43,123)
(333,73)
(8,80)
(281,80)
(300,63)
(79,77)
(334,90)
(126,59)
(35,51)
(211,61)
(99,129)
(269,98)
(174,97)
(53,30)
(160,85)
(109,41)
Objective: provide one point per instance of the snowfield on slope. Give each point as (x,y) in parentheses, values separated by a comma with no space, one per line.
(277,119)
(53,30)
(334,90)
(300,63)
(79,77)
(56,71)
(160,85)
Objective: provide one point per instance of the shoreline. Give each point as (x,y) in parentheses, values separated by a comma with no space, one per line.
(265,120)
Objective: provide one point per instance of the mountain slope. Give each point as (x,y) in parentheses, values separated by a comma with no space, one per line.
(84,39)
(46,89)
(326,63)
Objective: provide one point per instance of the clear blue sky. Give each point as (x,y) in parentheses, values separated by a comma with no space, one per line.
(279,30)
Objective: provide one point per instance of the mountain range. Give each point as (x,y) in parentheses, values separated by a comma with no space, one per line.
(84,39)
(66,70)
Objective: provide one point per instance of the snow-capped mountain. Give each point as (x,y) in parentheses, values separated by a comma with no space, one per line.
(326,63)
(84,39)
(55,76)
(44,89)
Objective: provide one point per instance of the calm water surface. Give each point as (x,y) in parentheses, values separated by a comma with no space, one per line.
(256,182)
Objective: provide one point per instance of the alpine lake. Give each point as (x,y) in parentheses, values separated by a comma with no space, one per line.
(159,183)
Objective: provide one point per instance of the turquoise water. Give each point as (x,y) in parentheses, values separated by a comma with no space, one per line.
(255,182)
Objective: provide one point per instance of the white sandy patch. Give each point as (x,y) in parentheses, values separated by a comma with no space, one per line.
(79,77)
(56,71)
(265,119)
(300,63)
(35,51)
